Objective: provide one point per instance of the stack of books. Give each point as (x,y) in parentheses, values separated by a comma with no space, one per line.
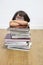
(18,39)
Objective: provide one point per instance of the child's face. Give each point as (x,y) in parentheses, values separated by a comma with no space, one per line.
(19,17)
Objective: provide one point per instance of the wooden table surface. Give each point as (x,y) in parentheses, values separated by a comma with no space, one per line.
(14,57)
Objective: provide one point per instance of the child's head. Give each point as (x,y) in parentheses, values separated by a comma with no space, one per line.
(21,15)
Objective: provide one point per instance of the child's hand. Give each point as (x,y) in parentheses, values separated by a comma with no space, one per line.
(13,24)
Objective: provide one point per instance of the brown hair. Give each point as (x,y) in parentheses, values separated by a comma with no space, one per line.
(21,13)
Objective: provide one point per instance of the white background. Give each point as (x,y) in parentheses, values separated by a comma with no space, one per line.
(34,9)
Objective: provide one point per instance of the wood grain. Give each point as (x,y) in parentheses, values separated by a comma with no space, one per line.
(14,57)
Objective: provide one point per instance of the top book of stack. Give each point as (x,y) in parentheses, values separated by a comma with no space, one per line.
(19,29)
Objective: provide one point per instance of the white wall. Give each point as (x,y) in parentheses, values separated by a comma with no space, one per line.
(34,8)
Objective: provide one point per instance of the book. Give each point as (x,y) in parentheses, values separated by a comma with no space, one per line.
(20,49)
(18,29)
(26,48)
(20,32)
(9,38)
(20,36)
(17,44)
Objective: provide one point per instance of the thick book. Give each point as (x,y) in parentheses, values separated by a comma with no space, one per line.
(25,48)
(20,32)
(20,36)
(19,48)
(8,38)
(18,29)
(17,44)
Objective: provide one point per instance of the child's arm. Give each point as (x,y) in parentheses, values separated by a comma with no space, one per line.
(21,22)
(18,24)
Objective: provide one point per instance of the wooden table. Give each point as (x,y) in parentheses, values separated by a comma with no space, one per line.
(14,57)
